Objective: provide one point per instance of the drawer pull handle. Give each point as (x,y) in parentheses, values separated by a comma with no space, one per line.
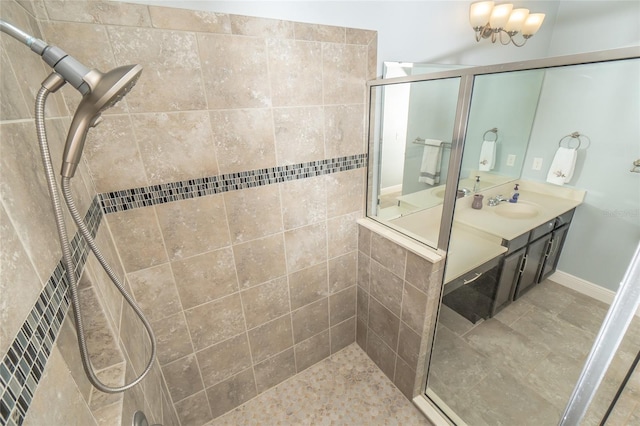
(478,275)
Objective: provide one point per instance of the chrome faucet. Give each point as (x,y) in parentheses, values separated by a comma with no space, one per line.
(494,201)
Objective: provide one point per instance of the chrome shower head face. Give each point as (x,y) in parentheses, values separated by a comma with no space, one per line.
(107,89)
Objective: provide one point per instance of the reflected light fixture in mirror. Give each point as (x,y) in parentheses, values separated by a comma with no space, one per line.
(503,22)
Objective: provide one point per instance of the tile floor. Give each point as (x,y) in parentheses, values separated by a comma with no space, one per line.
(520,367)
(345,389)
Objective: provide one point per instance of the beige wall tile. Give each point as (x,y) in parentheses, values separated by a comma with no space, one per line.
(344,73)
(253,213)
(310,320)
(57,397)
(205,277)
(303,202)
(234,71)
(364,271)
(381,354)
(113,376)
(113,156)
(342,305)
(172,336)
(308,285)
(343,234)
(343,272)
(295,70)
(183,377)
(419,272)
(296,143)
(345,193)
(13,106)
(232,392)
(172,79)
(344,130)
(19,283)
(259,261)
(404,378)
(386,287)
(189,20)
(67,344)
(312,350)
(358,36)
(275,370)
(261,27)
(194,410)
(155,291)
(362,305)
(306,246)
(227,358)
(99,12)
(414,308)
(265,302)
(383,323)
(194,226)
(215,321)
(364,240)
(271,338)
(243,139)
(409,346)
(25,197)
(372,61)
(361,334)
(389,255)
(316,32)
(138,238)
(175,146)
(343,334)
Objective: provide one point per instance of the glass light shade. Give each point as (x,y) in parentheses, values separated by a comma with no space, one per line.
(516,20)
(500,15)
(532,24)
(479,13)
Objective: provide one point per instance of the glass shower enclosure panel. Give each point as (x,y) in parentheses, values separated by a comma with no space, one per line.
(413,123)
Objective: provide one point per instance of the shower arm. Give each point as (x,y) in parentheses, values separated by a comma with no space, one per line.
(67,66)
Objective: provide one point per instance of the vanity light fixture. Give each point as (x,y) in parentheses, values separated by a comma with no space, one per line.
(495,21)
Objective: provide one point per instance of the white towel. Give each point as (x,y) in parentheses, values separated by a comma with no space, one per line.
(487,156)
(562,166)
(431,159)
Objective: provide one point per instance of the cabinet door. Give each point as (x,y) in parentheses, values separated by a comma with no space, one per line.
(557,241)
(534,260)
(509,274)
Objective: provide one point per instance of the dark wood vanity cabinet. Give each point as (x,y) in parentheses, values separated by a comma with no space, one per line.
(538,259)
(530,258)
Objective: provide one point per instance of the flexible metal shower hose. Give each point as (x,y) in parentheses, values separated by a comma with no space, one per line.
(68,262)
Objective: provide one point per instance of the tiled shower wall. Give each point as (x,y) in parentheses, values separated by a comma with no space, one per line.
(245,287)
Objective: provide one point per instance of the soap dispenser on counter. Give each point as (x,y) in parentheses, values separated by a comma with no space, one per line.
(515,195)
(476,186)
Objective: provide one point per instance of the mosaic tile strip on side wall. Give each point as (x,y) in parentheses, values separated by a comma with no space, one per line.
(24,364)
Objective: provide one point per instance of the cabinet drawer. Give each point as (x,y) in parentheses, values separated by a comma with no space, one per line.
(543,229)
(471,276)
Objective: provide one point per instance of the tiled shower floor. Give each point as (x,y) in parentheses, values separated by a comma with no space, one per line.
(345,389)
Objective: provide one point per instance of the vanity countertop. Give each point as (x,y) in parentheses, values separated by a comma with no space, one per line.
(468,249)
(548,201)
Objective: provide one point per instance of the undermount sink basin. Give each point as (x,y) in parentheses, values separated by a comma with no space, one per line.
(439,193)
(519,210)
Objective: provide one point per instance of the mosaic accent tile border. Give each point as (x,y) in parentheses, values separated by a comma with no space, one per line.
(23,365)
(159,194)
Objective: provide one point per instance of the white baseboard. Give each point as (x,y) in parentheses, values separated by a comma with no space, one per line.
(585,287)
(391,189)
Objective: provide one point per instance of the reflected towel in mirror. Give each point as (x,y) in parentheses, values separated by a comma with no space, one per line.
(431,159)
(487,156)
(562,166)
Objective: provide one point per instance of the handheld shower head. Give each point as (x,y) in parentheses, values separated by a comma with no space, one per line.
(99,90)
(106,89)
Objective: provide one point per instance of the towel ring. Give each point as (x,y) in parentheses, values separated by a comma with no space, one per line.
(494,131)
(574,135)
